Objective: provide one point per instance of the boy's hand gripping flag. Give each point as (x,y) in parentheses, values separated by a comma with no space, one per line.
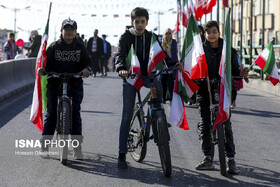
(193,56)
(266,61)
(184,88)
(133,66)
(156,55)
(39,93)
(225,73)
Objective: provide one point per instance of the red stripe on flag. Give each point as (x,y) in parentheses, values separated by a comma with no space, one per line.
(157,59)
(190,82)
(200,70)
(222,115)
(138,83)
(184,125)
(273,80)
(260,61)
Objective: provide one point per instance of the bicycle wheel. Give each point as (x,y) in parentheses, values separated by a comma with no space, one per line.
(221,146)
(163,143)
(137,144)
(65,124)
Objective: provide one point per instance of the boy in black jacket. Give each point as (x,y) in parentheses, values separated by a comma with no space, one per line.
(66,55)
(140,38)
(213,46)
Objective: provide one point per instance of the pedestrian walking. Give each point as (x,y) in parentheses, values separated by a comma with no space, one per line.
(105,56)
(169,46)
(10,47)
(95,50)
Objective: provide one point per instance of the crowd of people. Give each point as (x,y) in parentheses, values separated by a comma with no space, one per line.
(92,56)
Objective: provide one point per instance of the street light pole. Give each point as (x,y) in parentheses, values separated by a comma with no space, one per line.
(15,11)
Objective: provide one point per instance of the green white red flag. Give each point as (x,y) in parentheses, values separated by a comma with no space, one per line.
(225,73)
(133,66)
(266,61)
(39,93)
(156,54)
(193,56)
(184,88)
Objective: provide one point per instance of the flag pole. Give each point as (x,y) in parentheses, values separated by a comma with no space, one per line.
(47,28)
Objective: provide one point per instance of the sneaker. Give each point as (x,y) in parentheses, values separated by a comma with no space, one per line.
(122,161)
(205,164)
(78,155)
(233,105)
(232,167)
(44,149)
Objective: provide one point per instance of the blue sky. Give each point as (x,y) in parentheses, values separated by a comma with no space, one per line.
(82,11)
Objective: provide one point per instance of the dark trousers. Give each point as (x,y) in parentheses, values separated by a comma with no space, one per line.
(205,125)
(51,115)
(94,62)
(104,65)
(167,82)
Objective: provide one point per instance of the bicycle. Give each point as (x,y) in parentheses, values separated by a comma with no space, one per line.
(218,136)
(140,124)
(64,113)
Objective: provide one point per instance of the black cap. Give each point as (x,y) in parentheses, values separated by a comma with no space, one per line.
(69,22)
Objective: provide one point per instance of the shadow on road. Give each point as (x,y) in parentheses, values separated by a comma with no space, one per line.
(14,105)
(106,165)
(252,112)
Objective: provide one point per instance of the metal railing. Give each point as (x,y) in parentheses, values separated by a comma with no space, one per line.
(256,51)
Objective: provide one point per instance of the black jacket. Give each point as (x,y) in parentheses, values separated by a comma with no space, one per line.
(66,58)
(213,59)
(35,46)
(100,50)
(141,45)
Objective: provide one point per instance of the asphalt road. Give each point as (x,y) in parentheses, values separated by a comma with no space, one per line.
(256,128)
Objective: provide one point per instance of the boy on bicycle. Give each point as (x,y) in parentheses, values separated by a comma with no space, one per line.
(66,55)
(141,40)
(213,46)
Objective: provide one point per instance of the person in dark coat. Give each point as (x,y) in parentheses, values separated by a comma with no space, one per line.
(106,55)
(95,50)
(169,46)
(35,45)
(213,47)
(66,55)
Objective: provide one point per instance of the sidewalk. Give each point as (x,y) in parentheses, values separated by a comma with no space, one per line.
(263,85)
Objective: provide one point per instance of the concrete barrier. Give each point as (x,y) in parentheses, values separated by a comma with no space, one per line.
(264,86)
(15,76)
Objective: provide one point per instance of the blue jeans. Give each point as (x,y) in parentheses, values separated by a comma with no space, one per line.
(129,94)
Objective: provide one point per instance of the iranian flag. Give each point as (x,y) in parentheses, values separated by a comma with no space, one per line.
(177,25)
(225,73)
(193,56)
(266,61)
(156,54)
(187,8)
(39,93)
(133,66)
(184,88)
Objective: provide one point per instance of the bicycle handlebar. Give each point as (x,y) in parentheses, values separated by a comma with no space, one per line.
(152,76)
(58,75)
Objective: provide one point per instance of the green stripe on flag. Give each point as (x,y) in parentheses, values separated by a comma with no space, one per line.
(129,58)
(191,31)
(270,62)
(228,54)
